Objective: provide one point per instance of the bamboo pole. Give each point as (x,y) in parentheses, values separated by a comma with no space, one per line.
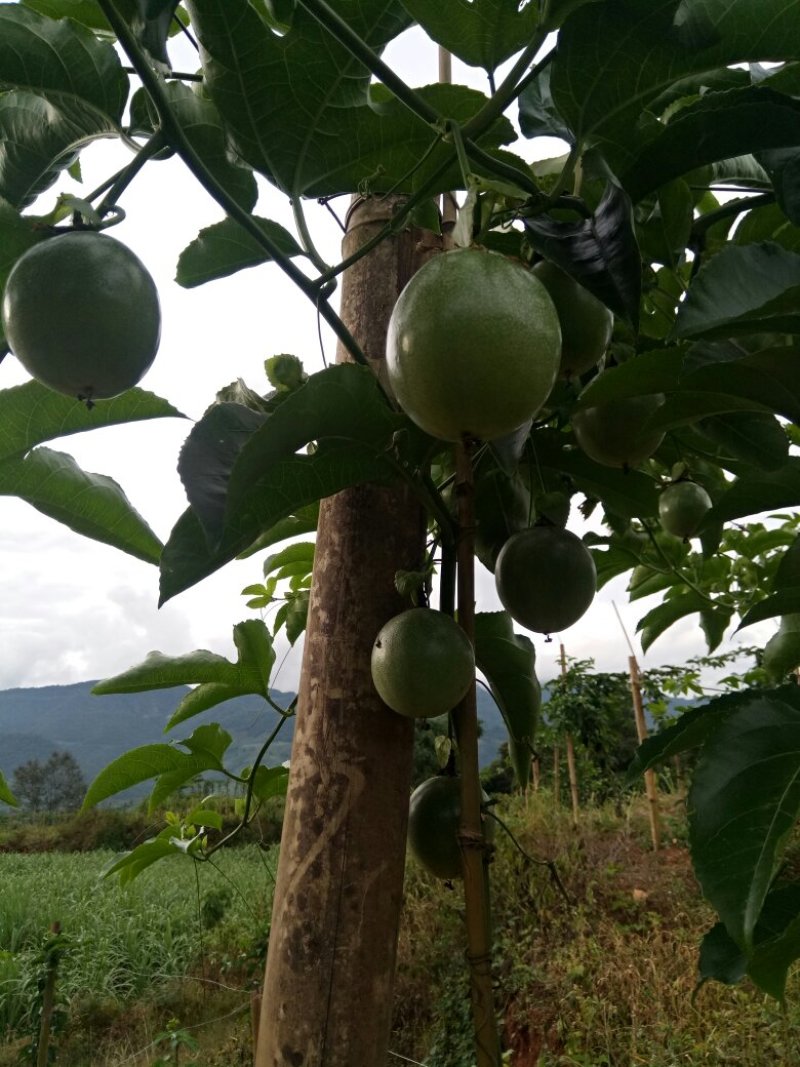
(571,770)
(650,785)
(556,777)
(474,851)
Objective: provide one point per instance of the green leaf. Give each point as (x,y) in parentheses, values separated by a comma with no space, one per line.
(296,618)
(613,60)
(63,88)
(754,437)
(677,606)
(270,782)
(767,223)
(205,817)
(6,796)
(765,491)
(201,698)
(714,621)
(31,414)
(250,673)
(599,252)
(784,602)
(651,372)
(744,799)
(718,126)
(139,764)
(344,412)
(303,521)
(131,864)
(777,940)
(90,504)
(324,131)
(538,116)
(721,959)
(508,662)
(302,553)
(209,741)
(17,235)
(743,289)
(480,32)
(225,248)
(202,125)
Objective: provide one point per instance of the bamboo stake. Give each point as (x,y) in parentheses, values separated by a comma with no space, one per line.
(572,772)
(556,777)
(650,785)
(474,852)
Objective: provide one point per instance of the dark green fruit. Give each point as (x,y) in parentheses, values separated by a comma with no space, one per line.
(81,314)
(422,663)
(473,345)
(434,815)
(613,434)
(546,578)
(682,508)
(586,323)
(782,651)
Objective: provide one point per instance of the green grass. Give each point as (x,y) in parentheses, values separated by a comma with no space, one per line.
(125,944)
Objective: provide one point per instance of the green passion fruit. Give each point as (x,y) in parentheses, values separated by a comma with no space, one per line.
(434,816)
(613,434)
(586,323)
(782,651)
(473,345)
(422,663)
(682,508)
(81,314)
(546,578)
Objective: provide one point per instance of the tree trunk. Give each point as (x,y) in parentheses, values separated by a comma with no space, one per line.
(327,997)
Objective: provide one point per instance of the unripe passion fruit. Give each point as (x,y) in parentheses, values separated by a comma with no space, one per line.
(545,578)
(782,651)
(434,816)
(586,323)
(682,508)
(613,433)
(81,314)
(422,663)
(473,345)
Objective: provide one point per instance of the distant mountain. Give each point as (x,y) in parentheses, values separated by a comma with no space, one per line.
(96,729)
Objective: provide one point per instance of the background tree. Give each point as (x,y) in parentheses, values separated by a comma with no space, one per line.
(55,785)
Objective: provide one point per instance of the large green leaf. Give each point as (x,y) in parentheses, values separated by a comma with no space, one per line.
(63,89)
(90,504)
(203,127)
(744,799)
(300,109)
(249,674)
(508,662)
(481,32)
(765,491)
(615,59)
(784,602)
(743,289)
(225,248)
(31,413)
(678,603)
(140,764)
(600,252)
(717,126)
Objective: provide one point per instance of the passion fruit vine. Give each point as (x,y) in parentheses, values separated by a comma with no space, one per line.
(81,314)
(473,345)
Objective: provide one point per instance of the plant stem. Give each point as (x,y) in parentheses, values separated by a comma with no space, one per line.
(124,177)
(509,88)
(177,138)
(474,852)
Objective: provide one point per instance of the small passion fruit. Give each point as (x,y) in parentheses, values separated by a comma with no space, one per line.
(473,345)
(434,816)
(546,578)
(422,663)
(586,323)
(81,314)
(613,433)
(682,508)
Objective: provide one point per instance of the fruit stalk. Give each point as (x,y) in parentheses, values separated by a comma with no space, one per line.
(474,850)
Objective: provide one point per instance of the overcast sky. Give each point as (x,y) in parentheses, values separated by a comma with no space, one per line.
(73,610)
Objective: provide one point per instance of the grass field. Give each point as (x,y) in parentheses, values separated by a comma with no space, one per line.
(605,979)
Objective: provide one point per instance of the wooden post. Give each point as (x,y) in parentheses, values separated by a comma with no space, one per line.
(571,770)
(650,785)
(556,776)
(327,999)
